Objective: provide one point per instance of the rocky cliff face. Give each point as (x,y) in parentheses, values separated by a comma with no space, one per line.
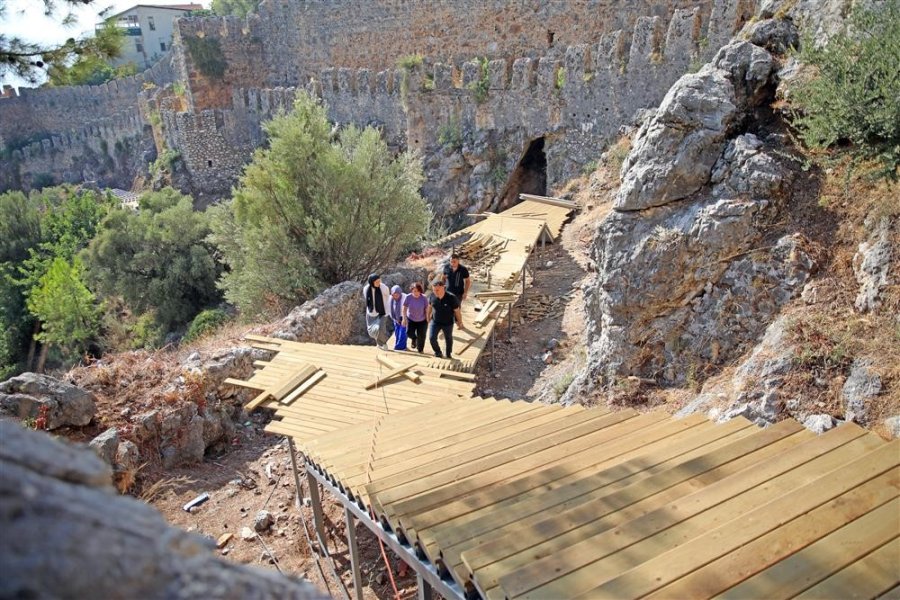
(690,267)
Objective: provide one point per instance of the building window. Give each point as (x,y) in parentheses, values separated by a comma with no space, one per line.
(162,46)
(139,46)
(151,24)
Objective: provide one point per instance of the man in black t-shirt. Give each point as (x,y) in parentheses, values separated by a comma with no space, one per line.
(457,279)
(443,309)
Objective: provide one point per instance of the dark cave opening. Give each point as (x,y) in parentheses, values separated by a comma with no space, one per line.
(529,176)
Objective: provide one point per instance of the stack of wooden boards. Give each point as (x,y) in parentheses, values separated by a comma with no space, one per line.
(523,500)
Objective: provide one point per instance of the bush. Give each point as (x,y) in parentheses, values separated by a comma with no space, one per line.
(312,208)
(157,258)
(206,322)
(482,86)
(855,95)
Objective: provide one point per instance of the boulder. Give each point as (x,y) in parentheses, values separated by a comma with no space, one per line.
(25,395)
(674,152)
(862,385)
(872,266)
(892,426)
(106,445)
(67,534)
(128,456)
(263,521)
(818,423)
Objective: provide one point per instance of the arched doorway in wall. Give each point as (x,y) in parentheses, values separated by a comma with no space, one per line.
(529,176)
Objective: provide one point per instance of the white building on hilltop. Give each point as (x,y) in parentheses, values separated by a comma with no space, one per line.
(148,31)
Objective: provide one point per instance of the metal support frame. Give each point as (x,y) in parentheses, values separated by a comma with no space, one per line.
(425,589)
(318,515)
(426,571)
(353,548)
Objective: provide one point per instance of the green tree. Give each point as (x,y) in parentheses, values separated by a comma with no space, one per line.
(91,64)
(237,8)
(855,94)
(64,305)
(316,207)
(35,231)
(31,61)
(20,231)
(157,258)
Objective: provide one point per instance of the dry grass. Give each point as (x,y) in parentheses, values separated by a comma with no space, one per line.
(160,487)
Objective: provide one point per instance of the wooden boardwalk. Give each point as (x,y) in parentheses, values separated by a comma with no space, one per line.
(522,500)
(503,499)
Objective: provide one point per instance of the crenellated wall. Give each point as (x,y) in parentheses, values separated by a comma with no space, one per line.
(82,133)
(497,75)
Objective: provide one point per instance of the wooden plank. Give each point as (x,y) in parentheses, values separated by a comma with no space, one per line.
(829,555)
(303,387)
(736,566)
(470,342)
(747,527)
(871,576)
(240,383)
(549,200)
(393,373)
(392,365)
(502,555)
(736,493)
(291,383)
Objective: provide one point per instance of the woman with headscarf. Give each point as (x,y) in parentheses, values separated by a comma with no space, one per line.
(396,312)
(377,298)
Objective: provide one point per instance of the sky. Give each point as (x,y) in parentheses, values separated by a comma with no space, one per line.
(25,19)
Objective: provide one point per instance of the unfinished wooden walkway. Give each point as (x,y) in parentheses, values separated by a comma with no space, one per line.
(496,499)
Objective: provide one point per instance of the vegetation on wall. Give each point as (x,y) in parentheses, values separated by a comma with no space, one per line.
(314,208)
(235,8)
(481,86)
(206,52)
(854,95)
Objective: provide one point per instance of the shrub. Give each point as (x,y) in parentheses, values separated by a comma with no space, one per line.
(481,86)
(409,61)
(450,134)
(855,95)
(315,207)
(207,55)
(206,322)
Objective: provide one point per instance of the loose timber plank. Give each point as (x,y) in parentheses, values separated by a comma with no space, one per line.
(390,374)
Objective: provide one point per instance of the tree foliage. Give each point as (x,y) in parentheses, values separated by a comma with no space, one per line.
(237,8)
(855,95)
(313,207)
(32,61)
(156,259)
(66,308)
(91,64)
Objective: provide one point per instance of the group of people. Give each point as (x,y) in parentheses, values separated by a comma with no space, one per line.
(412,316)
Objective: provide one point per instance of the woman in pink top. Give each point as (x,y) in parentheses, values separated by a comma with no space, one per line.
(414,319)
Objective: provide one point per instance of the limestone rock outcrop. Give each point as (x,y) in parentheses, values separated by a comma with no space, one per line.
(690,273)
(64,404)
(68,535)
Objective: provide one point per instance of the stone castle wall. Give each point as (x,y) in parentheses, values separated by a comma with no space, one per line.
(570,73)
(81,133)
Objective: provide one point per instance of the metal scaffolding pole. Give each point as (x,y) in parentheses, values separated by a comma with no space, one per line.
(353,548)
